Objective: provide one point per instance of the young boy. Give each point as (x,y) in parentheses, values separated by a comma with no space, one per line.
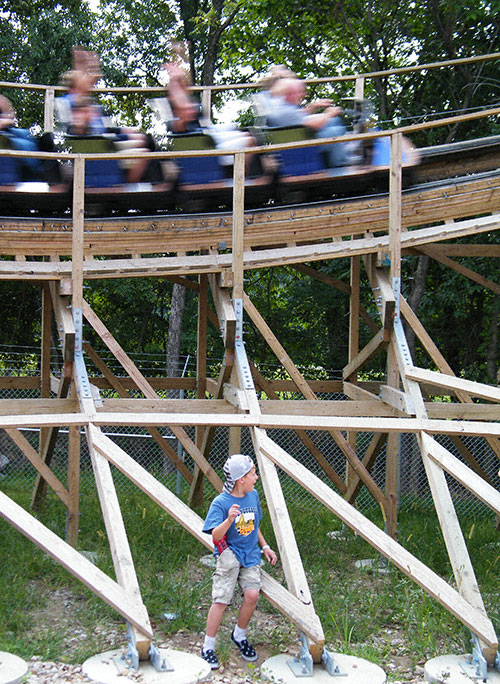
(233,519)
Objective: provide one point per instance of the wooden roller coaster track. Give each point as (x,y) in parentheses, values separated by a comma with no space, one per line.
(432,218)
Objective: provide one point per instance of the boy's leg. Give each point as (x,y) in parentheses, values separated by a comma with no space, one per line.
(250,582)
(215,615)
(250,598)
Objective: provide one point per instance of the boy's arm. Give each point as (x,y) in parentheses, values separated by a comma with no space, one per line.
(269,554)
(219,531)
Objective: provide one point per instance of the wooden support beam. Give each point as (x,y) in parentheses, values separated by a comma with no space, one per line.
(443,381)
(489,495)
(225,311)
(88,573)
(39,488)
(286,602)
(148,391)
(371,453)
(39,464)
(434,585)
(73,486)
(374,346)
(117,385)
(118,543)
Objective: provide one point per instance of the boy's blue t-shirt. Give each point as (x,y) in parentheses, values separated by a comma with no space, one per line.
(242,536)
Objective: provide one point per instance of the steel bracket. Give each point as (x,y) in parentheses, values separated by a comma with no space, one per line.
(302,665)
(476,667)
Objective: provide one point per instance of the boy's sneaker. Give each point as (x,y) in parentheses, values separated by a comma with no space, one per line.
(247,651)
(210,657)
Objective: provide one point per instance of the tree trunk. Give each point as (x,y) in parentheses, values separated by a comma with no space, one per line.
(416,295)
(175,330)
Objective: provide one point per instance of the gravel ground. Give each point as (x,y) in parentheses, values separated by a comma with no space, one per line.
(270,633)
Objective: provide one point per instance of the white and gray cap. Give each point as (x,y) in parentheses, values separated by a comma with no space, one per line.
(236,466)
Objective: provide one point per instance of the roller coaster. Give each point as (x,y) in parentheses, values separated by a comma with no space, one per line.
(206,241)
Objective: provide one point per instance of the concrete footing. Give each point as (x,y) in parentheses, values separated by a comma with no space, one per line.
(456,669)
(12,668)
(187,668)
(354,671)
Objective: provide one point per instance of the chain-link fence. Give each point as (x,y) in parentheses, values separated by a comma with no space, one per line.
(140,445)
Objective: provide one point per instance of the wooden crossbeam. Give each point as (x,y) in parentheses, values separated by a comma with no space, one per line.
(117,385)
(287,603)
(88,573)
(118,541)
(434,585)
(436,379)
(374,346)
(148,391)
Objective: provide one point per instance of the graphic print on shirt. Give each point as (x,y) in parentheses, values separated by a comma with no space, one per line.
(245,523)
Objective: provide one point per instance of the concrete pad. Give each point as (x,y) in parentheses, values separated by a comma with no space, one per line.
(188,669)
(12,668)
(456,669)
(357,671)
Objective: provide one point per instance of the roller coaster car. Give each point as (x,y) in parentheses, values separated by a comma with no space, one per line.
(303,172)
(106,187)
(202,182)
(21,191)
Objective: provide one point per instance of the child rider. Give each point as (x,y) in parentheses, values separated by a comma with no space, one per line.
(233,519)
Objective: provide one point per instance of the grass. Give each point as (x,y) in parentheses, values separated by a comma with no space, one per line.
(363,613)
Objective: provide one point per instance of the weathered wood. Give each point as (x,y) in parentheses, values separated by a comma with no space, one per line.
(118,542)
(288,604)
(73,486)
(434,585)
(96,580)
(117,385)
(477,389)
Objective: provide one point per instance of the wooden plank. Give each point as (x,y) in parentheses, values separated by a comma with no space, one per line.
(73,486)
(264,258)
(65,324)
(291,561)
(277,348)
(77,234)
(288,604)
(39,464)
(374,346)
(463,270)
(397,399)
(395,186)
(118,542)
(88,573)
(117,385)
(237,256)
(150,393)
(434,585)
(463,474)
(373,450)
(235,396)
(225,311)
(436,379)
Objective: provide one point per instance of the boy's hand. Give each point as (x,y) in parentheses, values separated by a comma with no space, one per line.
(270,556)
(233,512)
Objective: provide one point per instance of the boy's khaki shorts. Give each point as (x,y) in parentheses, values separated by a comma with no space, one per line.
(228,571)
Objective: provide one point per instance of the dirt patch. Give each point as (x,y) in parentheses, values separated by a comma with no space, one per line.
(60,614)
